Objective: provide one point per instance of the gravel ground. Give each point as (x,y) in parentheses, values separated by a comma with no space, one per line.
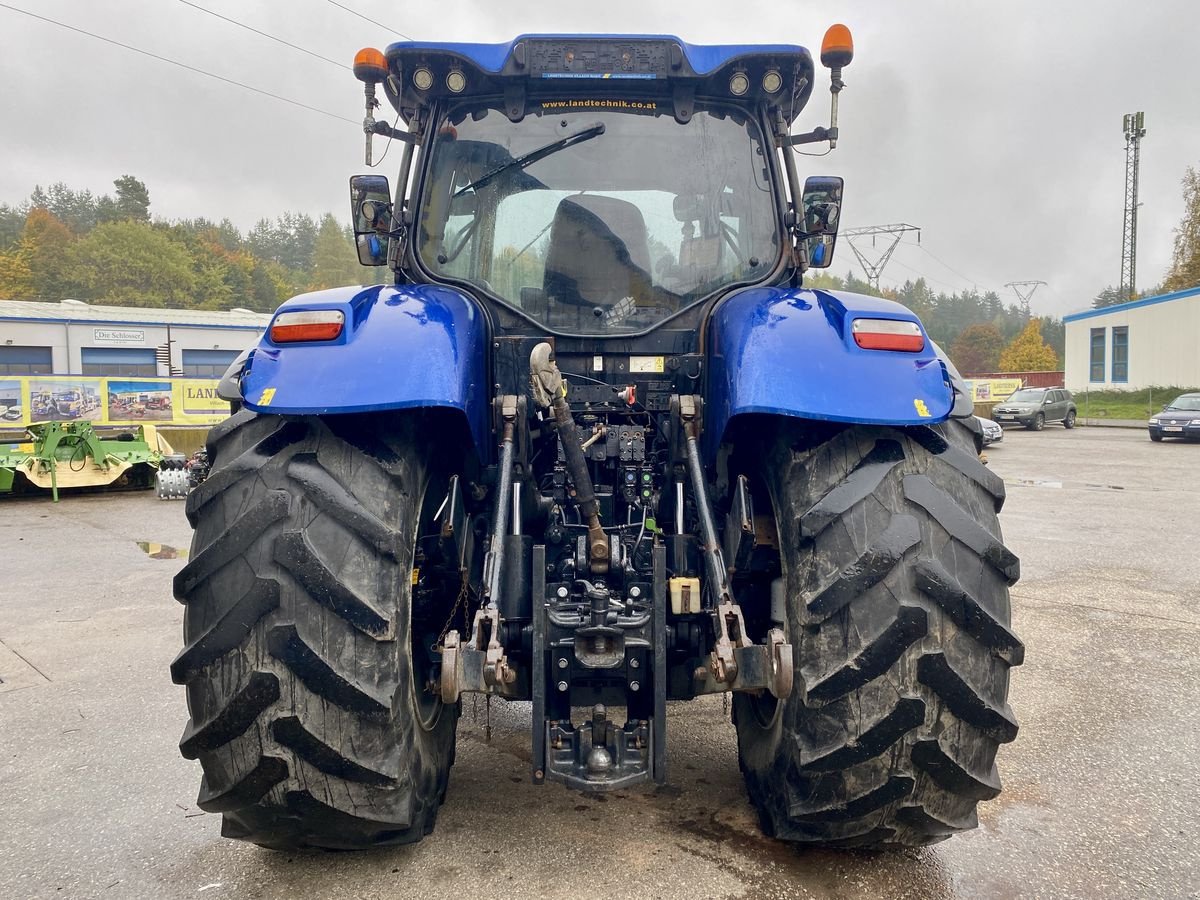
(1100,795)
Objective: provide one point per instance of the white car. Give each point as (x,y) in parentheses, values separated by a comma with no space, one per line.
(992,432)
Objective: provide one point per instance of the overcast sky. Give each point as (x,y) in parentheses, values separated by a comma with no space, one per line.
(995,126)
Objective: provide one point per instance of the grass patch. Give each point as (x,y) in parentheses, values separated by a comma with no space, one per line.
(1126,404)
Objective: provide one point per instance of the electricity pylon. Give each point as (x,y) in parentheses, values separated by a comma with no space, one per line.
(875,269)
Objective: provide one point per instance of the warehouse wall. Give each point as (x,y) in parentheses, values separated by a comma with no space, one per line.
(1164,344)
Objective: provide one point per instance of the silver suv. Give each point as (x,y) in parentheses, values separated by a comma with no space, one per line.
(1034,407)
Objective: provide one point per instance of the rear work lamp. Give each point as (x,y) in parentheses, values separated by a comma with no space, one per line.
(307,325)
(888,334)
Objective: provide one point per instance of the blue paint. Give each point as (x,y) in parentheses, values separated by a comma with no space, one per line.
(490,58)
(790,352)
(1132,304)
(403,347)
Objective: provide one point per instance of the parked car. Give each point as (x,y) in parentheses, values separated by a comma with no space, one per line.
(1034,407)
(12,413)
(992,432)
(1180,418)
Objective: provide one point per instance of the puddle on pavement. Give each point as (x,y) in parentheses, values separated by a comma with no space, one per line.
(161,551)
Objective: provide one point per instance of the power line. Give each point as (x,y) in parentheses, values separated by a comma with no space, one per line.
(278,40)
(175,62)
(355,12)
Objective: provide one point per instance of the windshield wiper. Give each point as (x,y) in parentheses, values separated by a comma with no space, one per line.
(533,156)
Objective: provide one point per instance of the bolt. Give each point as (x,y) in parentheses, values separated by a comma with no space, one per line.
(633,686)
(634,663)
(635,592)
(562,685)
(562,593)
(562,662)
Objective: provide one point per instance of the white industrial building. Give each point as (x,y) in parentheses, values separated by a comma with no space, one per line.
(1144,343)
(70,337)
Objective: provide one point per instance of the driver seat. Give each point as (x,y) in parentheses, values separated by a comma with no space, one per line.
(598,252)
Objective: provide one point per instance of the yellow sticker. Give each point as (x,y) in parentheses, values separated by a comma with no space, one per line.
(646,364)
(922,409)
(268,395)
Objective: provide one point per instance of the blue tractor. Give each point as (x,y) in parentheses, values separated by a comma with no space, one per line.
(595,446)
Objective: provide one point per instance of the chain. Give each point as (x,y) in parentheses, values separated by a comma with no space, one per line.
(459,603)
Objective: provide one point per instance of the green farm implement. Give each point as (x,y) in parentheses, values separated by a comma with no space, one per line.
(72,455)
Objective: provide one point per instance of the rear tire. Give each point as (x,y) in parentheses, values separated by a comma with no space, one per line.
(309,713)
(898,611)
(1069,421)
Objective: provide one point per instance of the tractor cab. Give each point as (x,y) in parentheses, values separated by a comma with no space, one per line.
(593,186)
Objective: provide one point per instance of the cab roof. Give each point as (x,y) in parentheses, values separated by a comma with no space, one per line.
(597,65)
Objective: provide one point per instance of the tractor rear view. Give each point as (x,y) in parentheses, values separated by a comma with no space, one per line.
(596,447)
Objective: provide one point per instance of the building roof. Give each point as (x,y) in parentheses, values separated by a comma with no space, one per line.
(78,311)
(1132,304)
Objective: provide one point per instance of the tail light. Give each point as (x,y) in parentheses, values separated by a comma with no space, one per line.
(307,325)
(888,334)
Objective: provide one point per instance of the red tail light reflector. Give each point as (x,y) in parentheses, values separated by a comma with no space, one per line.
(888,334)
(307,325)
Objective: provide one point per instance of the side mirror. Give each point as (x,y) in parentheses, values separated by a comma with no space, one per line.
(821,206)
(371,213)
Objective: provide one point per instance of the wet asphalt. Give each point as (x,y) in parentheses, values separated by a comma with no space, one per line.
(1101,796)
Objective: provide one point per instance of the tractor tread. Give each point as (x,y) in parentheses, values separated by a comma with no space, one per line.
(228,632)
(324,680)
(290,732)
(329,494)
(856,487)
(902,533)
(300,559)
(967,611)
(909,626)
(231,544)
(961,525)
(297,657)
(897,591)
(269,772)
(967,702)
(233,719)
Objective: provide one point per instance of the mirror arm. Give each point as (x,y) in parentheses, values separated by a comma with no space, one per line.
(388,131)
(815,136)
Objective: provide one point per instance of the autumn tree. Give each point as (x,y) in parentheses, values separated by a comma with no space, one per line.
(49,241)
(1029,352)
(16,277)
(1185,263)
(134,264)
(977,349)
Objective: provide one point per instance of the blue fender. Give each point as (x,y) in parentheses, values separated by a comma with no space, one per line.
(791,352)
(402,347)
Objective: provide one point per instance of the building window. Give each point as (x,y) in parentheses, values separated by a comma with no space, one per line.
(1097,373)
(119,361)
(1120,354)
(207,363)
(25,361)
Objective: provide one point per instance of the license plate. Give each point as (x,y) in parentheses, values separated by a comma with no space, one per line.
(1172,428)
(1004,418)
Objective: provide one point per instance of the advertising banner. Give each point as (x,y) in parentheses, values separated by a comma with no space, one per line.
(991,390)
(115,400)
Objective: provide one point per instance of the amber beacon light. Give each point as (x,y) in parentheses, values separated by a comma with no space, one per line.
(837,48)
